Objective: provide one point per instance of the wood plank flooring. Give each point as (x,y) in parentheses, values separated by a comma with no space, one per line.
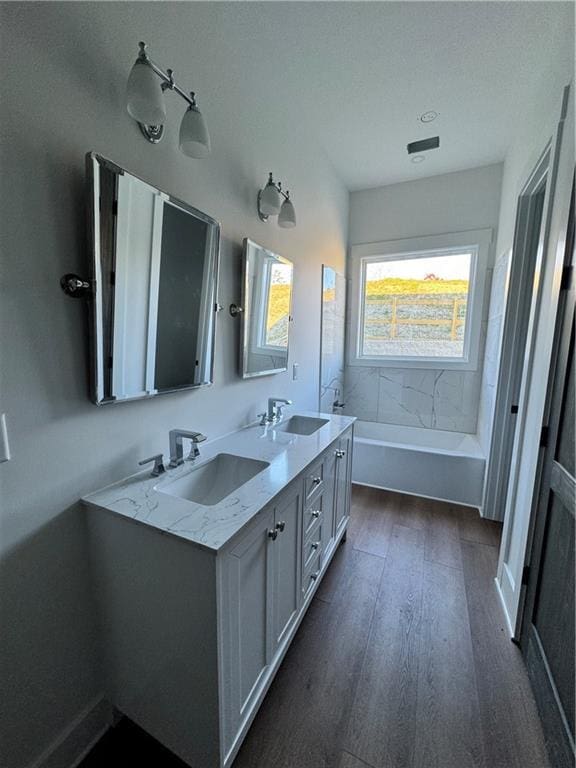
(402,660)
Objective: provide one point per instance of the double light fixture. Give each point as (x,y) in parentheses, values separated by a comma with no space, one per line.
(273,201)
(145,103)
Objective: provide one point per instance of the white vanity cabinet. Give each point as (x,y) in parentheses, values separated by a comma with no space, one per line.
(193,637)
(259,602)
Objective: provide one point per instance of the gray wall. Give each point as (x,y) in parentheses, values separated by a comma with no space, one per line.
(66,67)
(453,202)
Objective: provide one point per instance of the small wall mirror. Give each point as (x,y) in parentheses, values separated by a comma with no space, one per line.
(155,270)
(267,303)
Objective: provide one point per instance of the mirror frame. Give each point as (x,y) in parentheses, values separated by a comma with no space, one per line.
(96,330)
(246,314)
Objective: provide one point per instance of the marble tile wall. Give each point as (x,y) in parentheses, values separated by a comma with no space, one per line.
(493,347)
(436,399)
(333,332)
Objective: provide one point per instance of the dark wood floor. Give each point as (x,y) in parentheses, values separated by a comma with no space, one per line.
(402,660)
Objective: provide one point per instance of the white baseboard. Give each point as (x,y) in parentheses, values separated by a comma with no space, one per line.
(73,743)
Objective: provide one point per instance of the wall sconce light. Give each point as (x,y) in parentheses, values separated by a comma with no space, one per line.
(145,103)
(273,201)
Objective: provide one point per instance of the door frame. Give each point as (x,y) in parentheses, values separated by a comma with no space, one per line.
(559,736)
(527,252)
(525,466)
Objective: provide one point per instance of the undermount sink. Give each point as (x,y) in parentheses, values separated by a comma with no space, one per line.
(301,425)
(212,481)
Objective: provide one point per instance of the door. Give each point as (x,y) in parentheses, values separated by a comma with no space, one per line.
(247,619)
(342,486)
(547,635)
(287,549)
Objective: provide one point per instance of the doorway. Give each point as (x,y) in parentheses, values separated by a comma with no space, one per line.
(522,289)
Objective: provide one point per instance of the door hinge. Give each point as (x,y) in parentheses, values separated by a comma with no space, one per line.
(513,409)
(525,575)
(110,361)
(566,280)
(112,278)
(115,208)
(544,435)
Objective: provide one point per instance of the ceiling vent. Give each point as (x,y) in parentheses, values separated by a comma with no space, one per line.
(423,145)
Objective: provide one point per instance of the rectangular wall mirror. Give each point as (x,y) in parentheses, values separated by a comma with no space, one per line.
(267,303)
(155,270)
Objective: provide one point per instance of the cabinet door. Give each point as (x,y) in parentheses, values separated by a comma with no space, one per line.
(287,549)
(343,478)
(329,526)
(247,619)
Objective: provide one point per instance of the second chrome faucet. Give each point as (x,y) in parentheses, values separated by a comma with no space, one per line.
(274,412)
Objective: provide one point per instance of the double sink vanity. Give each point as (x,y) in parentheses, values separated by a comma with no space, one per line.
(205,571)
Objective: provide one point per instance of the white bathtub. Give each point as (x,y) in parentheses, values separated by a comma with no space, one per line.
(425,462)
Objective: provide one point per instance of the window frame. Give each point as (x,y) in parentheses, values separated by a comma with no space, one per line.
(479,242)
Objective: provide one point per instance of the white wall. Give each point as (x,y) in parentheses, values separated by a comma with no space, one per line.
(66,67)
(453,202)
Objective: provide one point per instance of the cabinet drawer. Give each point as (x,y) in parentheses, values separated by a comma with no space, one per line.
(312,515)
(311,573)
(314,481)
(312,547)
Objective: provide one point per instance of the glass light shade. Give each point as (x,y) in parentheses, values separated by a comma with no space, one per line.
(194,136)
(145,100)
(287,215)
(270,200)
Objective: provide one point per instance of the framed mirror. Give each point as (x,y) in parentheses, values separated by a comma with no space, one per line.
(154,267)
(267,303)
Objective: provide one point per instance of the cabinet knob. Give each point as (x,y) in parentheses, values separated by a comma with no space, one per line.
(273,534)
(281,525)
(316,545)
(317,480)
(314,576)
(315,513)
(340,454)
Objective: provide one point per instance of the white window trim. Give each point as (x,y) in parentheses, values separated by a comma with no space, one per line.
(479,240)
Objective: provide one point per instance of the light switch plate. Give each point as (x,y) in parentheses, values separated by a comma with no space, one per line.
(4,446)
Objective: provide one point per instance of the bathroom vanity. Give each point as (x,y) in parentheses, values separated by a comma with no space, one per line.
(200,593)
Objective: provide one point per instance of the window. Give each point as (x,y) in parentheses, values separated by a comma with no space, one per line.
(277,297)
(418,302)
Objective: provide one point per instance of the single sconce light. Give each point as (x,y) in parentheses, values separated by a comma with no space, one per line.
(145,103)
(273,201)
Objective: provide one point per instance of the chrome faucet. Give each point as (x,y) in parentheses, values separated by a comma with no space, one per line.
(176,451)
(275,406)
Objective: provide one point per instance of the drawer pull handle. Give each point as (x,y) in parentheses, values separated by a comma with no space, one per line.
(273,534)
(281,525)
(340,454)
(316,480)
(315,513)
(316,545)
(314,576)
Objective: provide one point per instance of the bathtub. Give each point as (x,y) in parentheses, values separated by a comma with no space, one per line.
(425,462)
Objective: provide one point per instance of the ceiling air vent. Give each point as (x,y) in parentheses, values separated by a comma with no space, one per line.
(423,145)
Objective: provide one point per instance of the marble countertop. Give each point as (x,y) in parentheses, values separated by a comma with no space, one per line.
(211,527)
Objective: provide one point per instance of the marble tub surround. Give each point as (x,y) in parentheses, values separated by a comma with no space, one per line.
(139,496)
(434,399)
(332,338)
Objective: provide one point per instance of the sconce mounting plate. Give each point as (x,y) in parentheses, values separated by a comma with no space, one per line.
(153,133)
